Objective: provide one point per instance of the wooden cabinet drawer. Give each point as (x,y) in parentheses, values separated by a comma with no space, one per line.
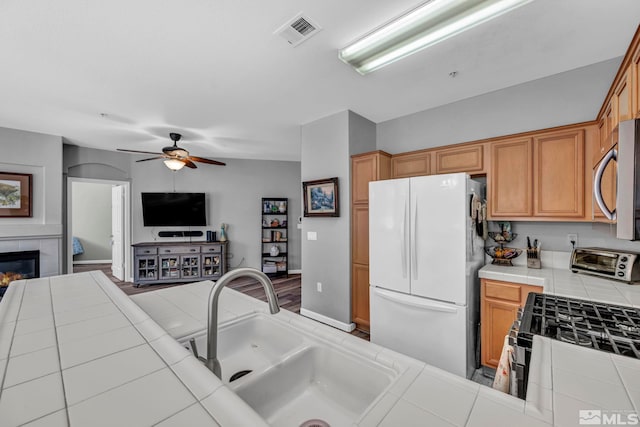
(468,159)
(178,250)
(210,249)
(502,291)
(412,164)
(146,251)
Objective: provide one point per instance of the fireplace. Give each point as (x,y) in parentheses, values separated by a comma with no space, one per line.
(19,265)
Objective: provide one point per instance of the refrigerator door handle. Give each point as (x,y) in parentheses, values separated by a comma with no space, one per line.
(421,303)
(403,240)
(414,257)
(597,184)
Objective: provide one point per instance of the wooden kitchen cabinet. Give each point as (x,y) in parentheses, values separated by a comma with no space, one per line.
(360,296)
(469,159)
(509,182)
(622,97)
(499,304)
(635,83)
(415,163)
(366,167)
(559,174)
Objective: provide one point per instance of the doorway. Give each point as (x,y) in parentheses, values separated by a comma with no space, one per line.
(98,224)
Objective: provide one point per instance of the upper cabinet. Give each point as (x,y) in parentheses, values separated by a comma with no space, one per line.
(415,163)
(559,174)
(635,86)
(509,182)
(468,158)
(365,168)
(542,175)
(622,97)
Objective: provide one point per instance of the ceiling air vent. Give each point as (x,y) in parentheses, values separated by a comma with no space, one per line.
(298,29)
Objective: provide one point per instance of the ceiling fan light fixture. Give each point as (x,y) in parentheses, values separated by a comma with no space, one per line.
(430,23)
(174,164)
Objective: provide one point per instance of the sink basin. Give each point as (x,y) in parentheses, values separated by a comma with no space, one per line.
(316,382)
(252,343)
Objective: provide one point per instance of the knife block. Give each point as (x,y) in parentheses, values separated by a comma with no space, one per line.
(533,258)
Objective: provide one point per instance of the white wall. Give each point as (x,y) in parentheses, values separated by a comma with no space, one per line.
(565,98)
(91,215)
(233,195)
(327,145)
(40,155)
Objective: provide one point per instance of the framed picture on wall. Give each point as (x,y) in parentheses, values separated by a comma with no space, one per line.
(321,197)
(15,195)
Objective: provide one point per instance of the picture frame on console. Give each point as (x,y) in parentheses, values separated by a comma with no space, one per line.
(15,195)
(321,198)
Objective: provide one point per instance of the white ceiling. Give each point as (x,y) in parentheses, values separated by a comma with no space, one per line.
(213,70)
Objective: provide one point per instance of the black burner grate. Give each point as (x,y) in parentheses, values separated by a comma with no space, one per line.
(605,327)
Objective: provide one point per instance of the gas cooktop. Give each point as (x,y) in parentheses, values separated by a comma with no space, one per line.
(605,327)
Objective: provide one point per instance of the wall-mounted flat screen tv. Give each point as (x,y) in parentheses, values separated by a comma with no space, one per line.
(173,209)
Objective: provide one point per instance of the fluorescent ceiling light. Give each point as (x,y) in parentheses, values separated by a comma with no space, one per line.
(424,26)
(174,164)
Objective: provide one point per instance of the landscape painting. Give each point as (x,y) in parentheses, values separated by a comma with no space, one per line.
(321,197)
(15,195)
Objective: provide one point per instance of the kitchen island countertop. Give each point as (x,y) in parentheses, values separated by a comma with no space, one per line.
(75,350)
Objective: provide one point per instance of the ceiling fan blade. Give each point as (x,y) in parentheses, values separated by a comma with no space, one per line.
(208,161)
(152,158)
(136,151)
(188,163)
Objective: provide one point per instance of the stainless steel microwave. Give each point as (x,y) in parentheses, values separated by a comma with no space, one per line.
(627,155)
(609,263)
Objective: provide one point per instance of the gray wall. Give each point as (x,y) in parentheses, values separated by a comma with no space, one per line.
(327,145)
(233,194)
(571,97)
(40,155)
(565,98)
(91,213)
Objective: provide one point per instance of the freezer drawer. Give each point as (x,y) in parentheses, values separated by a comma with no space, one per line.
(431,331)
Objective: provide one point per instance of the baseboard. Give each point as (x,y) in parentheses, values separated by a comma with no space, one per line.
(93,261)
(295,271)
(347,327)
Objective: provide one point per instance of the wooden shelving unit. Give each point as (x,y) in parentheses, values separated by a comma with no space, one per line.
(275,223)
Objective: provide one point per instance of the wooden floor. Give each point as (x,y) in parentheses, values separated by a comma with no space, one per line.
(288,289)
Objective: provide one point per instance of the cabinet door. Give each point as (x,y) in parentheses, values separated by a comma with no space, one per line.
(364,169)
(603,142)
(496,319)
(609,189)
(468,159)
(635,84)
(411,164)
(509,183)
(622,97)
(611,116)
(360,234)
(558,170)
(360,295)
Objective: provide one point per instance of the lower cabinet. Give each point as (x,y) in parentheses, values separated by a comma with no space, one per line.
(360,295)
(178,262)
(499,304)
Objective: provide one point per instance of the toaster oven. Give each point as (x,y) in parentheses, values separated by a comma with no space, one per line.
(609,263)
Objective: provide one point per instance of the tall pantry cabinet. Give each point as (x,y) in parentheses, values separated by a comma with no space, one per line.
(366,167)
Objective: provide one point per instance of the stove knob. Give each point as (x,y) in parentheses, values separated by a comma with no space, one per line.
(622,266)
(620,273)
(623,259)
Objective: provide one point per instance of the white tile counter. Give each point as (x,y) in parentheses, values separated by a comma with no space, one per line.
(74,350)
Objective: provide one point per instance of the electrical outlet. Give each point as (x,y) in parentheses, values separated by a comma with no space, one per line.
(572,239)
(319,286)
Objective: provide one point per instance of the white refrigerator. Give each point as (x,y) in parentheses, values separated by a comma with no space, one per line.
(424,256)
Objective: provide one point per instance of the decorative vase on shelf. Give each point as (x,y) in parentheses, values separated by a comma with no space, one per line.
(223,232)
(274,251)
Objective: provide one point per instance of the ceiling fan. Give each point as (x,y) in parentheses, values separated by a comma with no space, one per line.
(175,157)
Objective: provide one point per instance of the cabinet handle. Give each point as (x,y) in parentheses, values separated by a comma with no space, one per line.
(167,251)
(192,250)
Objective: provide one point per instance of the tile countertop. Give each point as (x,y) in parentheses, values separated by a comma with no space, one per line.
(73,348)
(565,378)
